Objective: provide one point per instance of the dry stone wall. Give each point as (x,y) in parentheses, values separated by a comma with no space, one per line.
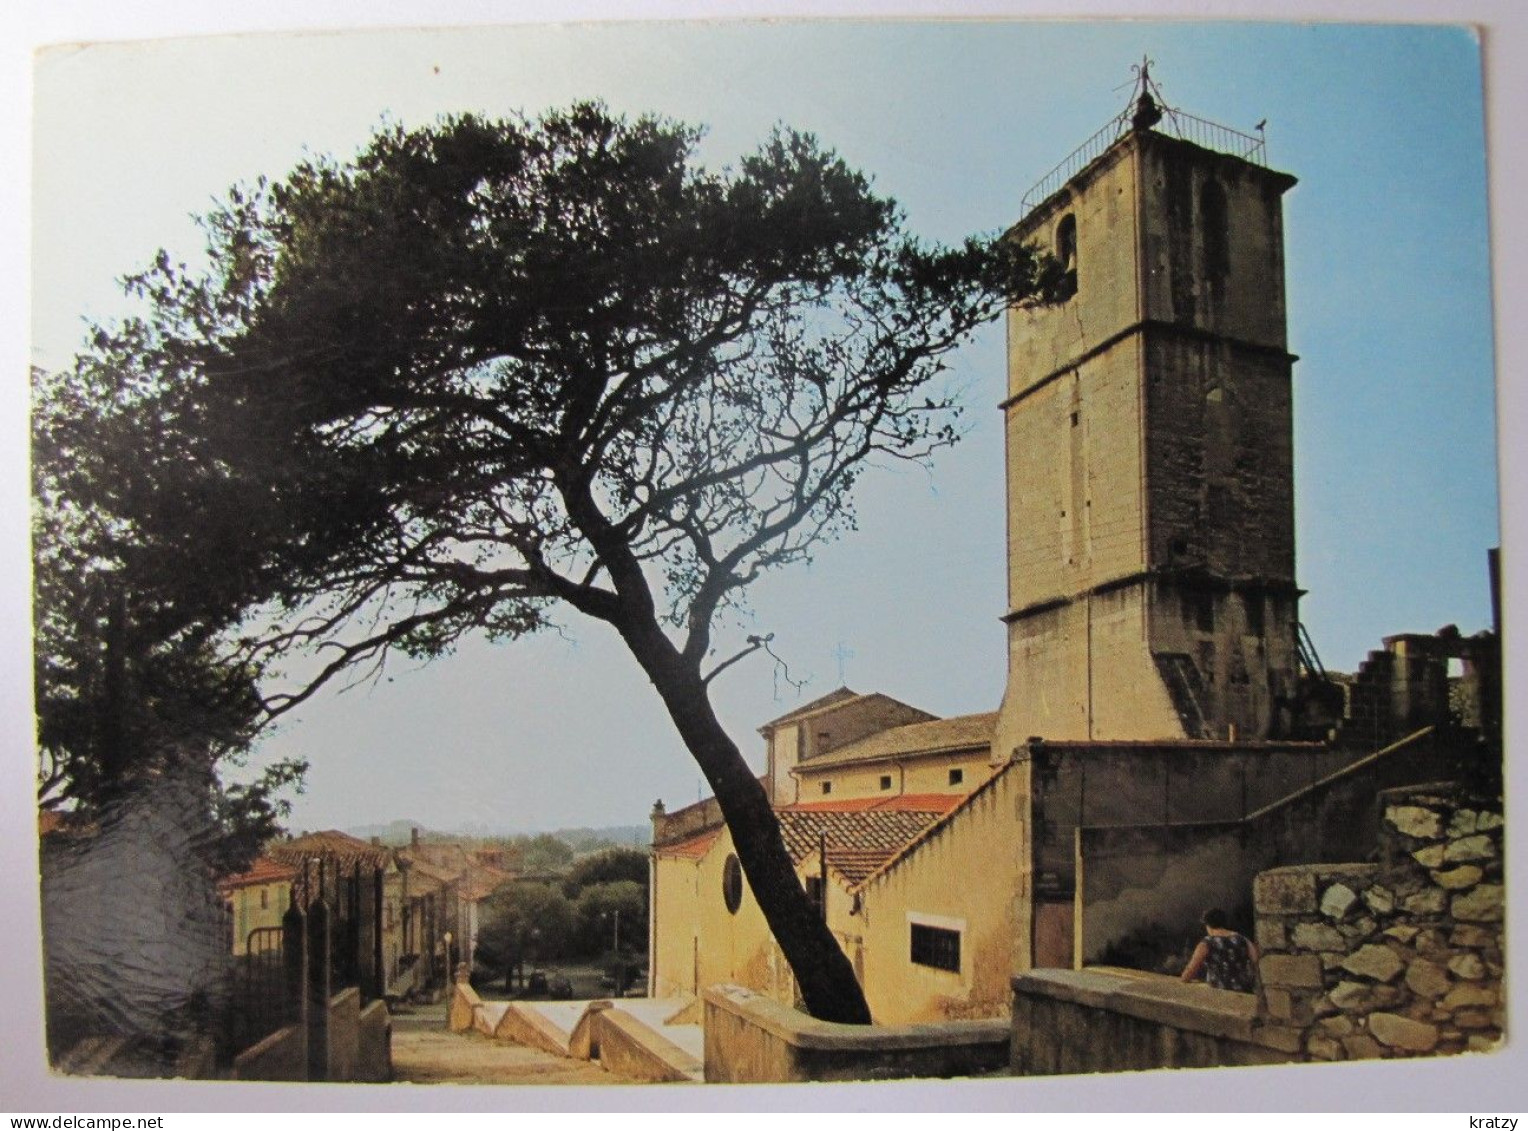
(1402,957)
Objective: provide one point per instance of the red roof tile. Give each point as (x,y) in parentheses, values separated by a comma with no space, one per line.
(937,803)
(692,848)
(342,847)
(858,841)
(263,871)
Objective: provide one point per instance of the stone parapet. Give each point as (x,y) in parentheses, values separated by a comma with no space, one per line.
(752,1039)
(1111,1020)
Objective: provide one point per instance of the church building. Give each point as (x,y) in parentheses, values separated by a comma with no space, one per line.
(1166,732)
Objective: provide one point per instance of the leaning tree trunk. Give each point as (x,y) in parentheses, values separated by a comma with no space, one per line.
(823,972)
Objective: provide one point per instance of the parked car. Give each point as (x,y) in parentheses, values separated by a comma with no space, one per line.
(535,983)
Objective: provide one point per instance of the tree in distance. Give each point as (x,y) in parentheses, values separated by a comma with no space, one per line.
(488,370)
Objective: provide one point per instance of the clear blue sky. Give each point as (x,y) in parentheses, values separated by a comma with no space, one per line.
(1389,309)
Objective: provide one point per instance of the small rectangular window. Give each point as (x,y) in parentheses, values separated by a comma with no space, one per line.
(265,898)
(957,776)
(935,946)
(827,787)
(885,781)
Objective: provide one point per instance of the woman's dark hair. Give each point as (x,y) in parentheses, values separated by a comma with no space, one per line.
(1215,917)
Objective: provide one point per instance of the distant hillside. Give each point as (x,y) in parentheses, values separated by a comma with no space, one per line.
(394,832)
(580,840)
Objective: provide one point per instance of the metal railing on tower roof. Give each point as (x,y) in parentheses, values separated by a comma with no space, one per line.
(1175,123)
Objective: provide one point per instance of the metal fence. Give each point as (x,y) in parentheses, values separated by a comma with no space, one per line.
(330,939)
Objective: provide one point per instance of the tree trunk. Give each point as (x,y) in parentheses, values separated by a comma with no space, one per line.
(823,972)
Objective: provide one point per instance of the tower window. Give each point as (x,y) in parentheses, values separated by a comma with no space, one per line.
(827,787)
(1066,254)
(1214,217)
(885,781)
(957,776)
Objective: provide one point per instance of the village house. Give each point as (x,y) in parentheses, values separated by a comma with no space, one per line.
(256,899)
(1167,731)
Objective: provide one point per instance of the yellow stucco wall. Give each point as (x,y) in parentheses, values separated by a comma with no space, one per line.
(972,876)
(699,943)
(923,773)
(257,906)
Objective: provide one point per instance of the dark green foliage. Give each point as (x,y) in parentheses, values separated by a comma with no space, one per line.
(527,922)
(608,866)
(606,908)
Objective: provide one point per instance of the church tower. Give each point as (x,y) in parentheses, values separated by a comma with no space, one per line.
(1151,554)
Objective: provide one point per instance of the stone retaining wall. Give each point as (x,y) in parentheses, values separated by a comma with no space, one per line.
(1398,958)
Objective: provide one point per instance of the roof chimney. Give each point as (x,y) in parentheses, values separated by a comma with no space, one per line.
(414,836)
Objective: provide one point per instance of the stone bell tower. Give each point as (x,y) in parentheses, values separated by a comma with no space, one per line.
(1151,554)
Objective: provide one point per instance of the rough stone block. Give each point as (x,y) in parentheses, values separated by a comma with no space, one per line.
(1467,821)
(1468,995)
(1317,936)
(1331,959)
(1352,997)
(1285,891)
(1358,929)
(1431,942)
(1374,961)
(1380,899)
(1401,934)
(1429,857)
(1280,1003)
(1467,966)
(1472,936)
(1428,901)
(1338,1026)
(1280,1037)
(1482,905)
(1415,821)
(1324,1048)
(1470,848)
(1337,901)
(1362,1047)
(1481,1042)
(1474,1019)
(1402,1032)
(1271,934)
(1457,879)
(1427,979)
(1300,971)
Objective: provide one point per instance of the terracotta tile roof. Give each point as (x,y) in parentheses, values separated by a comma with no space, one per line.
(264,870)
(831,699)
(431,871)
(858,840)
(692,848)
(938,803)
(932,827)
(341,847)
(939,736)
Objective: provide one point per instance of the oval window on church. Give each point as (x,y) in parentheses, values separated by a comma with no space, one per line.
(732,884)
